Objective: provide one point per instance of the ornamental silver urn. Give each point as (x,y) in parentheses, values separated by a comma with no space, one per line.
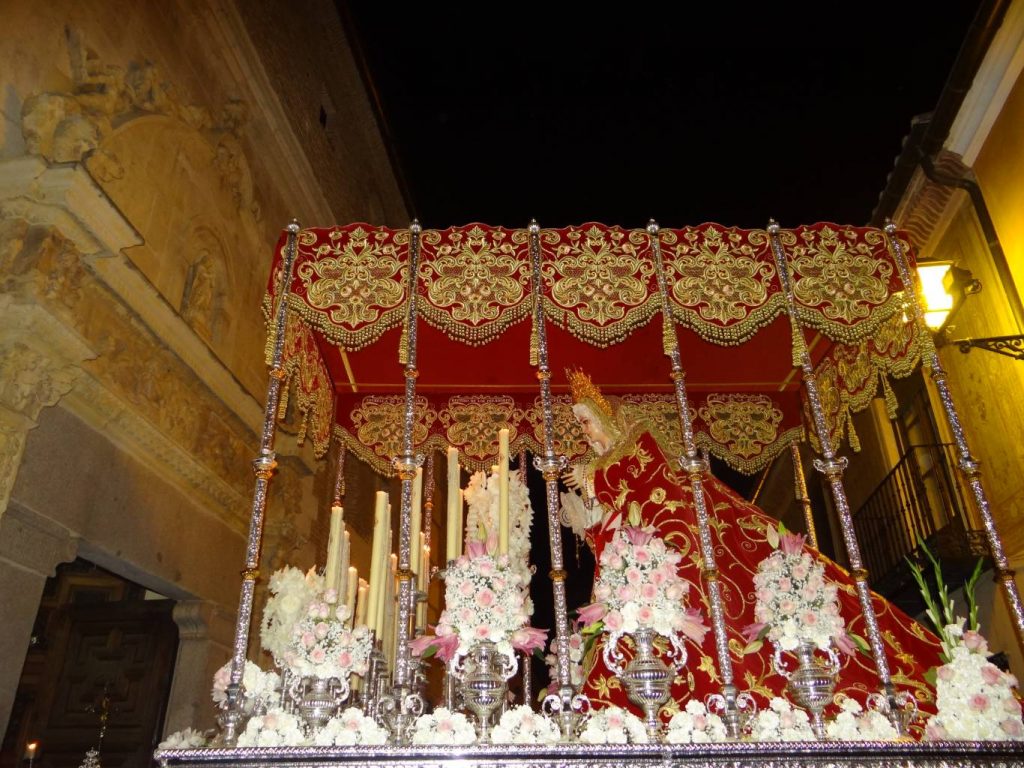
(812,683)
(647,678)
(483,674)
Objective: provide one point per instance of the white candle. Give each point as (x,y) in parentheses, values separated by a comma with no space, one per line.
(424,584)
(454,506)
(361,600)
(417,518)
(385,588)
(343,564)
(351,585)
(378,555)
(334,544)
(503,492)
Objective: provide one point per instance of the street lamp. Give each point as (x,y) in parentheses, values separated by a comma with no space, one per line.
(944,286)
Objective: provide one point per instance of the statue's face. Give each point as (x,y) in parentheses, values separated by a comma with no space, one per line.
(595,434)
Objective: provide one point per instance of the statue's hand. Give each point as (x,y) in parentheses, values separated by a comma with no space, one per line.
(576,477)
(577,516)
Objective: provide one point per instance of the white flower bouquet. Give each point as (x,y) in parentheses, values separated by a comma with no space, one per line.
(975,699)
(277,728)
(291,592)
(613,725)
(259,688)
(189,738)
(781,722)
(443,727)
(482,504)
(639,587)
(695,725)
(521,725)
(484,601)
(350,728)
(323,645)
(854,723)
(793,601)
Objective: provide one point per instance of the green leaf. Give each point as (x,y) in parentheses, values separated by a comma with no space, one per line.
(861,643)
(932,676)
(753,647)
(772,535)
(428,652)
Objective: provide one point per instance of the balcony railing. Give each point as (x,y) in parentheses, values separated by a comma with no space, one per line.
(921,499)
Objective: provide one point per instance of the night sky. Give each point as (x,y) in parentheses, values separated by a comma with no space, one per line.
(720,114)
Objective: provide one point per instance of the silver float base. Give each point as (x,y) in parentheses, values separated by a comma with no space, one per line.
(738,755)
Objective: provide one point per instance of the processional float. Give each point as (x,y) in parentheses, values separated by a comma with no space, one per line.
(479,309)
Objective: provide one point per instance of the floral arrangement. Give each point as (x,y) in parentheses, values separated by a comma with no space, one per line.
(521,725)
(613,725)
(277,728)
(793,601)
(186,739)
(639,586)
(974,698)
(484,600)
(305,628)
(482,503)
(291,592)
(349,728)
(443,726)
(695,725)
(781,722)
(259,688)
(854,723)
(324,646)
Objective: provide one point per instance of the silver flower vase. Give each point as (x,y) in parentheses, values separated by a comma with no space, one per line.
(483,676)
(812,683)
(320,699)
(647,678)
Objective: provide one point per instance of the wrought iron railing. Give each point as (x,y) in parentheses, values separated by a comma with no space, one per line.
(921,499)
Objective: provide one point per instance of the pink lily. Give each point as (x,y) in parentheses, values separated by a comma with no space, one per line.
(637,536)
(446,647)
(693,626)
(751,631)
(528,638)
(845,644)
(791,543)
(589,614)
(421,644)
(476,549)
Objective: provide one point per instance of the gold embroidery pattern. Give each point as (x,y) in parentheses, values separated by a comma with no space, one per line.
(599,283)
(724,281)
(472,423)
(378,423)
(353,281)
(741,424)
(476,283)
(842,280)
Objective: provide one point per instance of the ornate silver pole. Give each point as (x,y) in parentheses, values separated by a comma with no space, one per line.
(527,656)
(800,491)
(832,467)
(695,465)
(405,703)
(969,466)
(566,703)
(263,468)
(339,476)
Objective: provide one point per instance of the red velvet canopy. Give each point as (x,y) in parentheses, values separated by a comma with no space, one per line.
(348,303)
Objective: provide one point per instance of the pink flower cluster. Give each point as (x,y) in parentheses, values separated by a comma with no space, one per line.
(323,645)
(794,602)
(485,599)
(638,585)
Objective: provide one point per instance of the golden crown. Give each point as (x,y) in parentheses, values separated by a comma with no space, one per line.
(583,388)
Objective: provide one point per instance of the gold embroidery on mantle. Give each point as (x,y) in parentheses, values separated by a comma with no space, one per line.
(742,424)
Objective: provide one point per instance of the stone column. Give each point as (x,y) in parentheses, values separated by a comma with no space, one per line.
(31,548)
(205,633)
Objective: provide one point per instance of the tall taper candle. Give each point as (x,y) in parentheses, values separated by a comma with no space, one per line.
(351,584)
(378,557)
(361,600)
(343,564)
(503,492)
(415,523)
(454,531)
(334,544)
